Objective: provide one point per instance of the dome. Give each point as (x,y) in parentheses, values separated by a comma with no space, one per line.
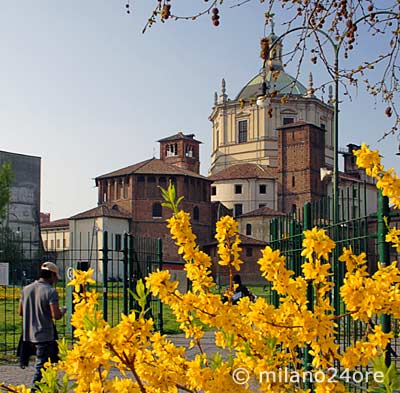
(284,84)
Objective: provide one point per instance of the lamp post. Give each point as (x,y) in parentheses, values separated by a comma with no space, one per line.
(335,76)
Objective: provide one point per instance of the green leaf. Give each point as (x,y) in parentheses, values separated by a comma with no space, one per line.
(216,361)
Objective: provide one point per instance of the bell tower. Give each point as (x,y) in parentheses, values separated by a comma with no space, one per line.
(182,151)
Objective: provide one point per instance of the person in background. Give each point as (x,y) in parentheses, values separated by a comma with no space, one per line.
(240,290)
(39,306)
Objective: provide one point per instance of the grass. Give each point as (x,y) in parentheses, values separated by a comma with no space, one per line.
(11,322)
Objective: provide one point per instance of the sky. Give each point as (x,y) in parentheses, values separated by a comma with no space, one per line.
(83,88)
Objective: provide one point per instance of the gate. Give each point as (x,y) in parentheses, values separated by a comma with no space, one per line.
(355,227)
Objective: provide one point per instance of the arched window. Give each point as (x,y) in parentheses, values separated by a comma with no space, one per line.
(157,210)
(196,213)
(248,229)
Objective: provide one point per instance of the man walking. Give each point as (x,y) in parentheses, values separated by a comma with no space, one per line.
(39,305)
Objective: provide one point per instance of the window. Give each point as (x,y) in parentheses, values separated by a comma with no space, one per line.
(293,181)
(189,151)
(249,251)
(51,244)
(261,205)
(58,243)
(242,128)
(162,181)
(323,126)
(171,150)
(118,243)
(263,188)
(355,194)
(196,213)
(213,190)
(157,210)
(288,120)
(294,208)
(65,243)
(248,229)
(238,188)
(238,208)
(45,244)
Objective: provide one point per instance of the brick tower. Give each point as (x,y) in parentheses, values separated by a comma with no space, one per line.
(182,151)
(301,154)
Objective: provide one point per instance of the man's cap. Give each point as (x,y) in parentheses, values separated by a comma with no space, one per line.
(52,267)
(237,279)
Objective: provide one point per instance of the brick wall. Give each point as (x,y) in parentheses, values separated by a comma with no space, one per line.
(301,154)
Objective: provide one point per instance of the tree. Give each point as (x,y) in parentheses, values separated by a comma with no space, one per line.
(6,177)
(343,23)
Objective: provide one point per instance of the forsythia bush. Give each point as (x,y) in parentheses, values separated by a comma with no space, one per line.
(253,337)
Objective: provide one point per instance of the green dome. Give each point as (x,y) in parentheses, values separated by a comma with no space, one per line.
(284,84)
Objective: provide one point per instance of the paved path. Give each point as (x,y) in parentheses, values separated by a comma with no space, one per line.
(12,374)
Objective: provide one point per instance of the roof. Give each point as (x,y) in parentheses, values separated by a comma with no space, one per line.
(245,171)
(62,222)
(298,123)
(245,241)
(179,135)
(152,166)
(102,211)
(263,211)
(284,84)
(347,176)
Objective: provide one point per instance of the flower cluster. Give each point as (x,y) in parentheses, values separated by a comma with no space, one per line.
(258,337)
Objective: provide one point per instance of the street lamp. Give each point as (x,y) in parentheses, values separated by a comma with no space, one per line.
(335,76)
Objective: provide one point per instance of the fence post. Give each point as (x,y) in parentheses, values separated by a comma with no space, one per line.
(274,233)
(105,273)
(310,295)
(125,273)
(384,258)
(160,304)
(130,271)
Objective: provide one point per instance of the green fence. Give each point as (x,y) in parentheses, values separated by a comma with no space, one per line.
(355,227)
(118,262)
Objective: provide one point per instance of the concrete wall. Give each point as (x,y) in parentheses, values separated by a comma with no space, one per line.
(250,197)
(24,210)
(87,241)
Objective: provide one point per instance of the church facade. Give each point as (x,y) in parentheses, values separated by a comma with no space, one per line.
(270,142)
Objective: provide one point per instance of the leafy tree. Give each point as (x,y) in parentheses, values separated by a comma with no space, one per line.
(344,23)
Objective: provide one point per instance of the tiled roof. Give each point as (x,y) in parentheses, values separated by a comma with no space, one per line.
(63,222)
(298,123)
(346,176)
(102,211)
(245,171)
(263,211)
(153,166)
(179,135)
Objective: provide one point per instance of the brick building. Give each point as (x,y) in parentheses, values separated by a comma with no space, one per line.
(135,190)
(250,254)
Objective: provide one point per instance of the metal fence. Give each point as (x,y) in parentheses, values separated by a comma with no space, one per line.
(355,228)
(118,262)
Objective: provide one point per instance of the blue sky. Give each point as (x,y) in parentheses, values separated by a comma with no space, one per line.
(83,88)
